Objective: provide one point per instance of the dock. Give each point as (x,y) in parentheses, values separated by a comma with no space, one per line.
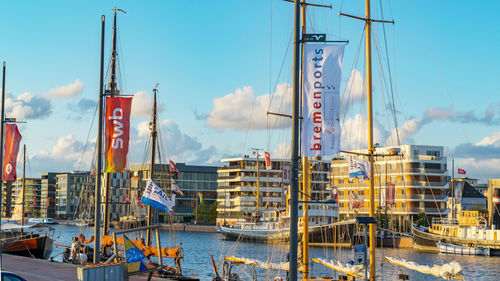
(44,270)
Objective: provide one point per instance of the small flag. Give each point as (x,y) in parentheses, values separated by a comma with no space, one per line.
(335,194)
(172,166)
(391,193)
(354,201)
(268,160)
(34,201)
(461,171)
(201,198)
(359,169)
(136,260)
(175,187)
(155,197)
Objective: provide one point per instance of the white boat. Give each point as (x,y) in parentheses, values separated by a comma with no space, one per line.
(42,220)
(447,248)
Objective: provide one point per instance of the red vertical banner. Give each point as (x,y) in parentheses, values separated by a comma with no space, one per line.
(391,193)
(12,140)
(268,160)
(117,133)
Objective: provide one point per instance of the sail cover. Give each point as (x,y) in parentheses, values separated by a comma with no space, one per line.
(12,140)
(117,133)
(320,125)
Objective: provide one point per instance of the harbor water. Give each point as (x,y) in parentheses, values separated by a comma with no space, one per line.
(199,245)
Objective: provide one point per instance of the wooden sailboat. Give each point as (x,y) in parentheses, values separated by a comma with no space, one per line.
(25,239)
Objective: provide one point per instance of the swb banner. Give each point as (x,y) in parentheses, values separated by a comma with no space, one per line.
(117,133)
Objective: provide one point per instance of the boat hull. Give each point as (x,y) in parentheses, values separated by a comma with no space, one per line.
(317,234)
(446,248)
(37,247)
(427,242)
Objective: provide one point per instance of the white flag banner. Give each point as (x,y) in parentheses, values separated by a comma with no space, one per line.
(155,197)
(320,125)
(175,187)
(359,168)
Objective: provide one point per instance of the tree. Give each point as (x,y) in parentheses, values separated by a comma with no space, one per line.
(421,219)
(205,212)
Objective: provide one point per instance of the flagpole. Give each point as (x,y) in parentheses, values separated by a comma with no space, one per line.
(2,122)
(97,217)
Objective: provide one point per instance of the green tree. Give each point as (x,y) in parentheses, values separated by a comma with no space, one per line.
(421,219)
(206,212)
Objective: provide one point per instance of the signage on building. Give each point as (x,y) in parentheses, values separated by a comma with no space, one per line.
(286,175)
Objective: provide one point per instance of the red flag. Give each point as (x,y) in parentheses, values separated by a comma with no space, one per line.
(117,133)
(268,160)
(12,140)
(461,171)
(34,201)
(172,166)
(48,201)
(391,193)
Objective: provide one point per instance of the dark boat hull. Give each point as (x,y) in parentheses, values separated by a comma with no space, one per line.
(37,247)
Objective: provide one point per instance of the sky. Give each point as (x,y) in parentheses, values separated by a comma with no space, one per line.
(221,65)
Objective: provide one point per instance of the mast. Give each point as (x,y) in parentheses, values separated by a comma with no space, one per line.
(257,194)
(371,148)
(295,146)
(97,216)
(112,92)
(152,169)
(23,188)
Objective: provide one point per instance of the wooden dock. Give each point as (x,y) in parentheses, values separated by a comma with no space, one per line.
(43,270)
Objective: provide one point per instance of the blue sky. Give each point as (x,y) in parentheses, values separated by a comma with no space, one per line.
(217,62)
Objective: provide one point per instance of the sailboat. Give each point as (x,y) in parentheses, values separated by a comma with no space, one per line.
(21,239)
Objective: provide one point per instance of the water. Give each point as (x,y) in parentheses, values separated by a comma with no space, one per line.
(197,247)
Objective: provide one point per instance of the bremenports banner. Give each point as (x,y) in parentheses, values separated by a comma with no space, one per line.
(12,140)
(117,133)
(320,125)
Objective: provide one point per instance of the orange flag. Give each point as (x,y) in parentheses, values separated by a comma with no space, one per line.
(117,133)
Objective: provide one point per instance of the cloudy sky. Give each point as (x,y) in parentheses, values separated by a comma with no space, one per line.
(221,66)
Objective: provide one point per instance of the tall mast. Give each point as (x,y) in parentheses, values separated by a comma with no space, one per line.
(295,146)
(113,91)
(257,195)
(152,168)
(371,148)
(23,188)
(97,216)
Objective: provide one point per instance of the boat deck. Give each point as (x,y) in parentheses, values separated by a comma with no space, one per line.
(43,270)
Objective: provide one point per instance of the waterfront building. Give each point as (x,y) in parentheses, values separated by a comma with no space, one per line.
(119,191)
(191,179)
(48,195)
(31,196)
(237,186)
(465,197)
(417,174)
(70,187)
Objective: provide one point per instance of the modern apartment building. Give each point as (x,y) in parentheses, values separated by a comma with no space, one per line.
(191,179)
(237,186)
(70,189)
(48,195)
(31,196)
(417,172)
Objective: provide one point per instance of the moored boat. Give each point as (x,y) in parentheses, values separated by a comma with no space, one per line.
(447,248)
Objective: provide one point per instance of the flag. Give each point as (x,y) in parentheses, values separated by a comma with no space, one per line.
(11,146)
(459,187)
(155,197)
(391,193)
(383,197)
(136,260)
(126,198)
(354,201)
(117,133)
(320,134)
(200,195)
(335,194)
(175,187)
(461,171)
(34,201)
(268,160)
(172,166)
(359,169)
(48,201)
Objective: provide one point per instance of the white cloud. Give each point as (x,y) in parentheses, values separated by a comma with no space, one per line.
(244,110)
(405,132)
(493,140)
(282,151)
(27,106)
(355,133)
(65,156)
(66,91)
(142,105)
(354,89)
